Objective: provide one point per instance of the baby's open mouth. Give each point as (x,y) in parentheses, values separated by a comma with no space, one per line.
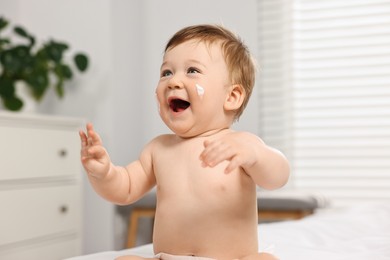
(178,105)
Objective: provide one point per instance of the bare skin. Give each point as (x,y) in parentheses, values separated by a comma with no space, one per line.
(205,173)
(219,203)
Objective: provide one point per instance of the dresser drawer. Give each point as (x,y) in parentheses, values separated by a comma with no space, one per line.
(52,250)
(38,212)
(33,153)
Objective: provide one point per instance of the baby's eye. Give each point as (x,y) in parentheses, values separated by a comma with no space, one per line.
(193,70)
(166,73)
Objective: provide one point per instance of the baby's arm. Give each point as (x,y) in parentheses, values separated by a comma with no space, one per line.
(267,166)
(120,185)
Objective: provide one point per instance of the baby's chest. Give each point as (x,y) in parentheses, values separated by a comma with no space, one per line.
(183,172)
(184,163)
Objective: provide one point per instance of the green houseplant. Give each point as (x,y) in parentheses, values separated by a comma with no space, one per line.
(39,67)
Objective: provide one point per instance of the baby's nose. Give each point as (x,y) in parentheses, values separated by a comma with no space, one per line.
(175,84)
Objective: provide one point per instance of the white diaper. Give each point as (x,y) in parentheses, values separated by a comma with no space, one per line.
(164,256)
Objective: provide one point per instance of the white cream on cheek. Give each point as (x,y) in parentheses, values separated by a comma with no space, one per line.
(199,90)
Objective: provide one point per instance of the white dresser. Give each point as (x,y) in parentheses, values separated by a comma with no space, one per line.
(40,187)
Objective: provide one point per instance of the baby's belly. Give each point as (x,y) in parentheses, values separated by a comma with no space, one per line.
(205,212)
(201,227)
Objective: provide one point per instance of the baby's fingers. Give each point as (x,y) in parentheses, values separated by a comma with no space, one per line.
(208,153)
(96,151)
(233,164)
(93,137)
(84,144)
(83,138)
(215,154)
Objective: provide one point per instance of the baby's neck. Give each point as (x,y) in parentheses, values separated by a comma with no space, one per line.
(209,133)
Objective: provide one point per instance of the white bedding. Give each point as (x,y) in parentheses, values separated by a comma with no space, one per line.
(349,234)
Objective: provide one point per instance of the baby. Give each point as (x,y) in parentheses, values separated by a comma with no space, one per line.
(205,173)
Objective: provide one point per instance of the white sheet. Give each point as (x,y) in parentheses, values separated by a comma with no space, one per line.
(358,233)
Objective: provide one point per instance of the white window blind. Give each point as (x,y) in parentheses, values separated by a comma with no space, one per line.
(325,94)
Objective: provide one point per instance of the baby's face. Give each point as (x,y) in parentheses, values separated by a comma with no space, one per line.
(193,87)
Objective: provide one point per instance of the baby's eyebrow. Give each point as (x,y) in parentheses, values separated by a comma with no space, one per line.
(163,64)
(197,62)
(190,61)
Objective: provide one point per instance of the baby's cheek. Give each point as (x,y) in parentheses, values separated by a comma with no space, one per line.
(158,104)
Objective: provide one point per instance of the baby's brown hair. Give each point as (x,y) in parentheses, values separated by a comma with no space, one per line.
(241,65)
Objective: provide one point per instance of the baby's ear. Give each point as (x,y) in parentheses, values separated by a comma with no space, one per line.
(235,97)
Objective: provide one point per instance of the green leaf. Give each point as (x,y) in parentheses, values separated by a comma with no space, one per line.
(60,89)
(63,71)
(14,60)
(55,50)
(53,53)
(3,44)
(32,41)
(41,56)
(7,87)
(39,82)
(60,45)
(13,103)
(3,23)
(21,32)
(81,61)
(4,41)
(10,61)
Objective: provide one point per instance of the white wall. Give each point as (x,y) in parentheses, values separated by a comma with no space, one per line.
(125,41)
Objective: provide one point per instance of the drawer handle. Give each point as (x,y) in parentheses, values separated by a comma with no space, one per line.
(64,209)
(63,153)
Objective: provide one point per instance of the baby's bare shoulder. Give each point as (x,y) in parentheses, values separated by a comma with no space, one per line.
(160,142)
(154,147)
(163,139)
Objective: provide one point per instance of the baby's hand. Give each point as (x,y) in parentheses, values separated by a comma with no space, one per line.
(94,156)
(240,148)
